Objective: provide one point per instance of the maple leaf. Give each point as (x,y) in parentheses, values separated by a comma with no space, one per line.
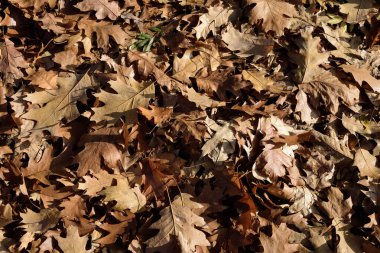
(59,104)
(272,13)
(72,242)
(125,196)
(177,222)
(40,222)
(131,94)
(308,59)
(216,17)
(246,44)
(100,145)
(103,8)
(103,30)
(11,60)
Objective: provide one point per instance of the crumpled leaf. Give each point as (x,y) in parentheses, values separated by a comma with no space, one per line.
(177,224)
(125,196)
(103,8)
(330,90)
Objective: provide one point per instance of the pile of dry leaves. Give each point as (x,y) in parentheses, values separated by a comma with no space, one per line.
(189,126)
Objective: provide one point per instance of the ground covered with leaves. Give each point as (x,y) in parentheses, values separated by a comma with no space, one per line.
(189,126)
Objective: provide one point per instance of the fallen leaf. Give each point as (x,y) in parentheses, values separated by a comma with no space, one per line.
(11,61)
(177,222)
(366,164)
(72,242)
(273,13)
(125,196)
(60,104)
(40,222)
(103,8)
(279,240)
(213,20)
(246,44)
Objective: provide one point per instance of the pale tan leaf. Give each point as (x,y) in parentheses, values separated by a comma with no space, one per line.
(131,94)
(103,8)
(363,75)
(213,20)
(358,10)
(44,79)
(59,104)
(355,125)
(72,242)
(366,164)
(177,223)
(246,44)
(125,196)
(40,222)
(279,241)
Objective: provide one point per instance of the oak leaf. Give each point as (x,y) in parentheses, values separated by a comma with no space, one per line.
(246,44)
(103,8)
(11,60)
(272,13)
(216,17)
(44,79)
(177,223)
(330,90)
(358,10)
(308,58)
(72,242)
(93,184)
(40,222)
(279,240)
(363,75)
(272,164)
(188,66)
(131,94)
(100,147)
(103,30)
(60,104)
(366,163)
(337,205)
(158,114)
(125,196)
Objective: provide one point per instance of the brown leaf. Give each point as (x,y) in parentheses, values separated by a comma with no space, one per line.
(272,13)
(279,240)
(100,145)
(45,79)
(103,8)
(177,223)
(363,75)
(11,61)
(366,164)
(40,222)
(272,164)
(337,206)
(158,114)
(72,242)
